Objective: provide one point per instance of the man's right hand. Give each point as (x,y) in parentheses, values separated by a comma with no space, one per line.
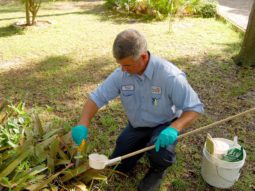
(79,133)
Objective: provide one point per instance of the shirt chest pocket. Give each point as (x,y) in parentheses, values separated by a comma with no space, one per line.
(127,93)
(156,99)
(128,99)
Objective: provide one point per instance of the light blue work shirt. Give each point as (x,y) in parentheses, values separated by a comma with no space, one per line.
(152,98)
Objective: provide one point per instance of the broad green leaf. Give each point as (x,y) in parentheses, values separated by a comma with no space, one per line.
(51,133)
(10,123)
(20,186)
(37,178)
(74,172)
(15,163)
(38,129)
(51,158)
(47,141)
(54,147)
(19,109)
(43,184)
(4,181)
(36,170)
(12,144)
(40,153)
(62,154)
(50,164)
(92,174)
(6,158)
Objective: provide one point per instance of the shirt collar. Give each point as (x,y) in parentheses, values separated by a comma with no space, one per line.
(150,67)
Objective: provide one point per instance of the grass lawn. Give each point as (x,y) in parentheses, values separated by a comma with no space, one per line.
(54,67)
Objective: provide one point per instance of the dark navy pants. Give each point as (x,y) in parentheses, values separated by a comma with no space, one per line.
(132,139)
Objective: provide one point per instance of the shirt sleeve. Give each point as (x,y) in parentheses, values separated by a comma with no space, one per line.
(108,90)
(183,96)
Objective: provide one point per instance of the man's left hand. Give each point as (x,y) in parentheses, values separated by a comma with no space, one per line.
(166,137)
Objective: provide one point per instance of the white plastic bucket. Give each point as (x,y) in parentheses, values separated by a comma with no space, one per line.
(220,173)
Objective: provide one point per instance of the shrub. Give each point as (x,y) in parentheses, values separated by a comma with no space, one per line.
(161,8)
(155,8)
(206,9)
(34,155)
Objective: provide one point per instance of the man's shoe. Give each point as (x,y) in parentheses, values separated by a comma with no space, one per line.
(151,181)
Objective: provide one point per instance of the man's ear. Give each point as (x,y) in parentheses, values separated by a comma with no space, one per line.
(144,56)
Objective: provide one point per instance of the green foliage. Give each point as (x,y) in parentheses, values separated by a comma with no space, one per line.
(33,156)
(14,120)
(206,9)
(161,8)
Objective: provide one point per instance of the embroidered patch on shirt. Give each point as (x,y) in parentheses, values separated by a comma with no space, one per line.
(156,90)
(128,88)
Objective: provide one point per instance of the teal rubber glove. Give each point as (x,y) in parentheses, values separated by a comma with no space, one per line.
(79,133)
(166,137)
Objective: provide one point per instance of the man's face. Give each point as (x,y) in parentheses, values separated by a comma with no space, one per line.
(132,66)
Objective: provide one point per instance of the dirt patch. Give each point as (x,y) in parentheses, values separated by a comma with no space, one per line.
(11,64)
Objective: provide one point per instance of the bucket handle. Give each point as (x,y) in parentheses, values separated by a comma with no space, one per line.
(231,181)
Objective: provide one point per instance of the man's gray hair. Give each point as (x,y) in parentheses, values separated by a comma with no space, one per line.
(129,43)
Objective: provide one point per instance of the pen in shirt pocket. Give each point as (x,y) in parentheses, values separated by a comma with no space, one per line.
(154,101)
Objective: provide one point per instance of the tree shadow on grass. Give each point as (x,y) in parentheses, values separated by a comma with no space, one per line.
(10,31)
(53,80)
(216,78)
(57,80)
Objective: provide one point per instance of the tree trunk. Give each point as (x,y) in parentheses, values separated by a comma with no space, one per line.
(246,56)
(27,13)
(34,7)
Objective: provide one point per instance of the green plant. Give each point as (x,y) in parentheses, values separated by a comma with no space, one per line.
(13,122)
(38,156)
(162,8)
(206,9)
